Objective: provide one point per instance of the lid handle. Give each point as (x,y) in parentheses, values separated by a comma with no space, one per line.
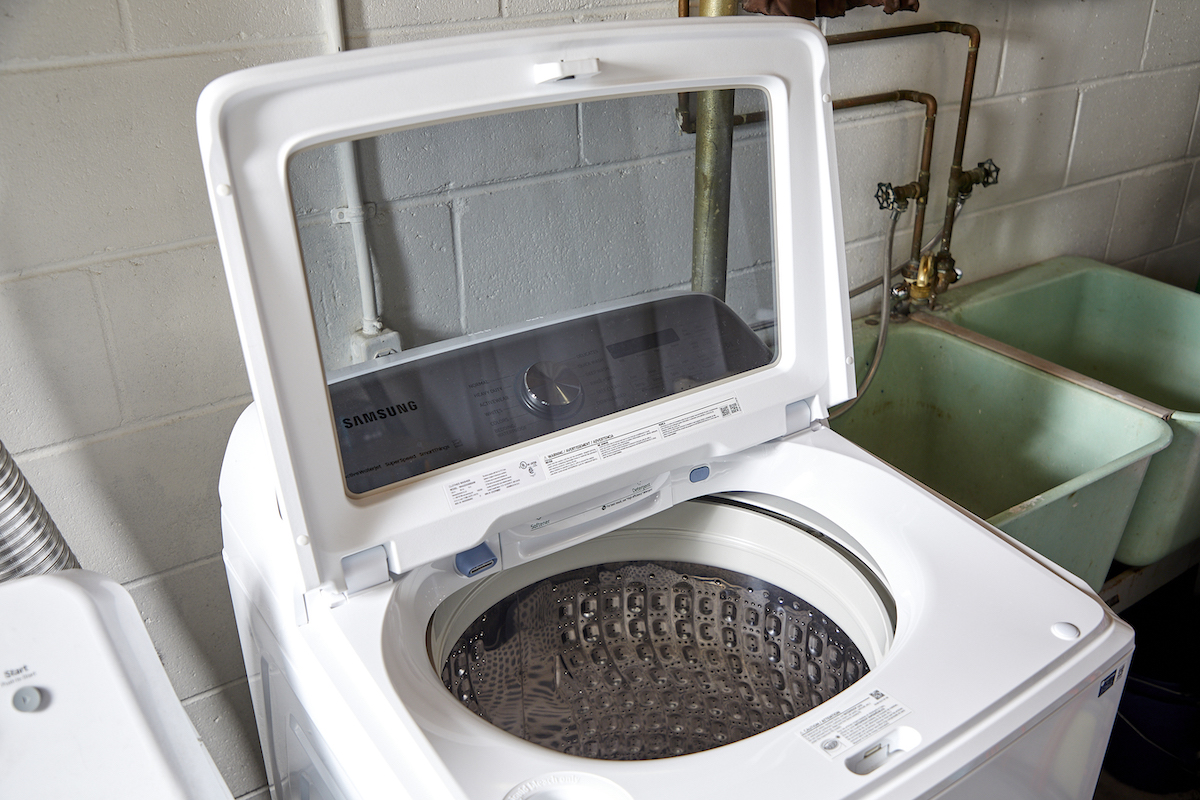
(564,70)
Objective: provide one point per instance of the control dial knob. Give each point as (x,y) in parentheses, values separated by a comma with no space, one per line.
(550,389)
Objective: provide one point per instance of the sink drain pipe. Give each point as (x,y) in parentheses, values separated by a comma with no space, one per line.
(30,542)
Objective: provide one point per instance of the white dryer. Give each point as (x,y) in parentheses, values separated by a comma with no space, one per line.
(587,534)
(87,710)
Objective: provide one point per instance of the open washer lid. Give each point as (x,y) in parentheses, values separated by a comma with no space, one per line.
(510,415)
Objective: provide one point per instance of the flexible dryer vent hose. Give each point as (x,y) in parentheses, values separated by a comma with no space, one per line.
(30,542)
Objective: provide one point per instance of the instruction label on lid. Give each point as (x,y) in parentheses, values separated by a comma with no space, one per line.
(499,479)
(604,447)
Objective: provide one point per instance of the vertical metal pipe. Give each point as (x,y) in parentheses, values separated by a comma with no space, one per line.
(921,194)
(347,156)
(960,138)
(714,160)
(926,164)
(684,112)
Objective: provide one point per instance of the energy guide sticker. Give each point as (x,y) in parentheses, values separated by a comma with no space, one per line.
(839,732)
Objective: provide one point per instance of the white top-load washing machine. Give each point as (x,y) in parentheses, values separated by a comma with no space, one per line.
(580,531)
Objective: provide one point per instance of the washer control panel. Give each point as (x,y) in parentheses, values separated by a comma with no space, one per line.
(550,388)
(446,405)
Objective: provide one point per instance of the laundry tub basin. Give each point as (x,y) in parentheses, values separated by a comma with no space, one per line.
(1131,332)
(1053,464)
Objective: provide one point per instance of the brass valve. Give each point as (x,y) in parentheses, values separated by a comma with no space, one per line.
(947,273)
(985,174)
(922,286)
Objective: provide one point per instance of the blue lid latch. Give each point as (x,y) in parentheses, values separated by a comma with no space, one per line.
(470,563)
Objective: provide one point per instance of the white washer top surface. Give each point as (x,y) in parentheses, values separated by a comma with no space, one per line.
(988,642)
(85,707)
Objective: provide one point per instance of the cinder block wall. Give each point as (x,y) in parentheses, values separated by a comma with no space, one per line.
(474,224)
(120,366)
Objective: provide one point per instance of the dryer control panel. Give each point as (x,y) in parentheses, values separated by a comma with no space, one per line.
(429,411)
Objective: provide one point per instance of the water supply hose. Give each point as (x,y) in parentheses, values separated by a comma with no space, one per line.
(885,314)
(30,542)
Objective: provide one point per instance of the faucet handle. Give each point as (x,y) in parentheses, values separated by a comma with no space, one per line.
(985,174)
(885,195)
(990,173)
(895,198)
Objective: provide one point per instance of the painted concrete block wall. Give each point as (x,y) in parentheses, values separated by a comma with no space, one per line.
(118,357)
(483,223)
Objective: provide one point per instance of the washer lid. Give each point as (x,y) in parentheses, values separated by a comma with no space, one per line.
(526,204)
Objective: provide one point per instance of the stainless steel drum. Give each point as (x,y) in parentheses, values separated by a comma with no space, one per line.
(648,659)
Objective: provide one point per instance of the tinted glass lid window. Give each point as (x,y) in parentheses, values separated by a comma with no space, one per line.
(479,283)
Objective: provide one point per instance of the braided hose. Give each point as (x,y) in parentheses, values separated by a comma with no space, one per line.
(885,314)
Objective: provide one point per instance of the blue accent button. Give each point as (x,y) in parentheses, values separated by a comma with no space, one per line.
(31,698)
(699,474)
(474,561)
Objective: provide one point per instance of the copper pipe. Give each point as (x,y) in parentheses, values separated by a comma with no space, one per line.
(946,263)
(918,192)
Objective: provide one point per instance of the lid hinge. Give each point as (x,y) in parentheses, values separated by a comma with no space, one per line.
(365,569)
(799,416)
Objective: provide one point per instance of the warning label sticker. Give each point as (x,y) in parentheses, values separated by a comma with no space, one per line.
(498,479)
(840,731)
(494,480)
(604,447)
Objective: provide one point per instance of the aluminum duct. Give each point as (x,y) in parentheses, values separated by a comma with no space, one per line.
(30,542)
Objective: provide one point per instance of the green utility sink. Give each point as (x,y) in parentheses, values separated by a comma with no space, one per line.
(1135,334)
(1052,464)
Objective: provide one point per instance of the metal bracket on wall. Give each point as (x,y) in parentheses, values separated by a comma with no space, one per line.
(347,216)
